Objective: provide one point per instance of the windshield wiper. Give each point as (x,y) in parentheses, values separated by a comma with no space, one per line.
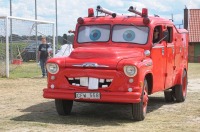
(136,27)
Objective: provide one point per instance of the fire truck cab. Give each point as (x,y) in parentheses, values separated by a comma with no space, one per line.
(120,59)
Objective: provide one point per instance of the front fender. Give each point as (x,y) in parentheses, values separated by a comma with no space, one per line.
(59,60)
(144,67)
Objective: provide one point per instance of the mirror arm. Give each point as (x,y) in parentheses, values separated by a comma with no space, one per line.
(71,31)
(160,40)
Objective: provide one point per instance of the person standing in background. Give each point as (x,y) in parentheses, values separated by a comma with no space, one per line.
(43,55)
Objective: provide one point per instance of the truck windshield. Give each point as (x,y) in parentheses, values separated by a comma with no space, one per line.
(130,34)
(94,33)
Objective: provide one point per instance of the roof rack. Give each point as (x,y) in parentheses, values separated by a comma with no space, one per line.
(103,10)
(143,14)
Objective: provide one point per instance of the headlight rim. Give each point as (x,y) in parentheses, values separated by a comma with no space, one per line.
(125,71)
(48,68)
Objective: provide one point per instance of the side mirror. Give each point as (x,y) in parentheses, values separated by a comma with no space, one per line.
(71,31)
(166,35)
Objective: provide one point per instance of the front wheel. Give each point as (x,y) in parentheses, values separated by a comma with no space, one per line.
(169,95)
(181,90)
(139,110)
(63,107)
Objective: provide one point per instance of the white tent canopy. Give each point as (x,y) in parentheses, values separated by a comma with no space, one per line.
(65,50)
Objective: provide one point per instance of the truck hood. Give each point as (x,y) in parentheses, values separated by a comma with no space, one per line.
(102,56)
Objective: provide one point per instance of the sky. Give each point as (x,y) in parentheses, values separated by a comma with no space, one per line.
(70,10)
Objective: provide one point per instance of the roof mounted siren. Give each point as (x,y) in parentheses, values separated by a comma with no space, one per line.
(144,14)
(103,10)
(90,12)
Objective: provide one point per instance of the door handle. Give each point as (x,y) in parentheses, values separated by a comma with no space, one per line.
(163,51)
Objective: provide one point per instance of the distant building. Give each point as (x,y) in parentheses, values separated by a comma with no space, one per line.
(192,24)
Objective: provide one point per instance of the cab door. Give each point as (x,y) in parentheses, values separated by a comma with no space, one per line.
(158,55)
(170,55)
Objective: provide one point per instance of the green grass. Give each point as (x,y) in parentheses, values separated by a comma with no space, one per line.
(193,70)
(25,70)
(31,69)
(16,49)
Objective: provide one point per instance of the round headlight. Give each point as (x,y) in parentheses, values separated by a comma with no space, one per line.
(130,71)
(52,68)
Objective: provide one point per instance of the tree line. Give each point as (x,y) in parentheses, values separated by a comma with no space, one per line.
(65,39)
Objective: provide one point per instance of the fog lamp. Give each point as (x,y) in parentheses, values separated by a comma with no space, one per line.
(131,80)
(53,77)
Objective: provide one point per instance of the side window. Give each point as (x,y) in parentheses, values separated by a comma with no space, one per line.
(170,32)
(157,34)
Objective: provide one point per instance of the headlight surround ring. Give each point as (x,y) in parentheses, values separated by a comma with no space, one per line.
(52,68)
(130,70)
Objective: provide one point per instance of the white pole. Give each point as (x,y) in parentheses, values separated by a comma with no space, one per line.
(7,49)
(36,32)
(25,19)
(54,40)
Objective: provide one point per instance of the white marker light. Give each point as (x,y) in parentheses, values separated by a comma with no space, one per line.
(52,86)
(130,89)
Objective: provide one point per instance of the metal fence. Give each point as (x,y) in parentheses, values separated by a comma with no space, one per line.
(19,41)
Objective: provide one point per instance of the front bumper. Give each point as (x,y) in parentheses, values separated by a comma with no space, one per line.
(109,97)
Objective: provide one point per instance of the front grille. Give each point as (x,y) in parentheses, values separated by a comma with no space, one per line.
(84,82)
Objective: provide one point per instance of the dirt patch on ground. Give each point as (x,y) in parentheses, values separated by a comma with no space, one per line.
(23,108)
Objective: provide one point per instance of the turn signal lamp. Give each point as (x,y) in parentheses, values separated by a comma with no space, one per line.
(144,12)
(90,12)
(80,20)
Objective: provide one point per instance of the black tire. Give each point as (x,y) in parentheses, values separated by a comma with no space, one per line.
(181,90)
(25,60)
(139,110)
(169,96)
(24,57)
(63,107)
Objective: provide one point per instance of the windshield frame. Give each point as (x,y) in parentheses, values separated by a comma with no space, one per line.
(109,38)
(137,27)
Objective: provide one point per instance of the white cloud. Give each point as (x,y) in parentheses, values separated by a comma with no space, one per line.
(70,10)
(4,10)
(178,18)
(153,5)
(115,3)
(193,4)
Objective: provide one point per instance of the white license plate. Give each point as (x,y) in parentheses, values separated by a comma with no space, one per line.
(92,95)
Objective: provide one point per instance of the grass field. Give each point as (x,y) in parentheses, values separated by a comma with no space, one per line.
(31,69)
(26,70)
(194,70)
(23,108)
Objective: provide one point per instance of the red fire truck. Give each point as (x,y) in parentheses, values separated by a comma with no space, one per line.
(120,59)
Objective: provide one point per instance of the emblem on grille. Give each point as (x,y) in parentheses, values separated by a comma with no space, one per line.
(89,64)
